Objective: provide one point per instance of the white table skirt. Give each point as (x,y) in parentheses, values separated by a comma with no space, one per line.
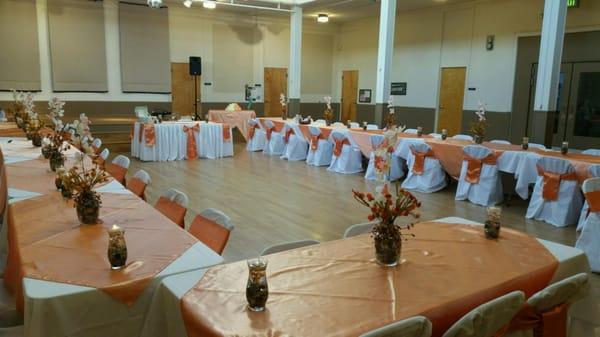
(171,142)
(165,308)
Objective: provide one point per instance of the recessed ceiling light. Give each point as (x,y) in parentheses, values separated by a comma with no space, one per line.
(187,3)
(323,18)
(154,3)
(210,4)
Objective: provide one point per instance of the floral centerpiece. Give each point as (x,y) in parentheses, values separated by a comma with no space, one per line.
(17,108)
(80,134)
(284,107)
(385,209)
(390,120)
(80,181)
(383,152)
(479,127)
(328,113)
(56,111)
(53,148)
(34,127)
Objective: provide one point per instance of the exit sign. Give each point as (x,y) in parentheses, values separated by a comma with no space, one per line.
(572,3)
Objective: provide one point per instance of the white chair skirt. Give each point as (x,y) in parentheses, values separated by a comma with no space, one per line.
(322,156)
(257,143)
(487,192)
(563,212)
(348,162)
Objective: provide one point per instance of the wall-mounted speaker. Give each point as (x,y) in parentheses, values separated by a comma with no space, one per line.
(195,66)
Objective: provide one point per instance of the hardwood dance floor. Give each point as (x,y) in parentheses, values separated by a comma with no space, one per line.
(271,200)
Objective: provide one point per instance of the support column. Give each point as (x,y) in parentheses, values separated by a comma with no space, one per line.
(387,24)
(548,74)
(295,70)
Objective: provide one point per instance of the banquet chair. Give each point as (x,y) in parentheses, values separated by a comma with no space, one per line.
(172,204)
(500,141)
(425,173)
(556,198)
(338,125)
(436,135)
(417,326)
(462,137)
(274,145)
(102,157)
(320,122)
(96,144)
(212,227)
(257,137)
(354,125)
(538,146)
(489,318)
(589,240)
(479,180)
(396,171)
(553,303)
(593,152)
(594,171)
(346,158)
(118,168)
(411,131)
(320,150)
(296,147)
(359,229)
(372,127)
(282,247)
(137,184)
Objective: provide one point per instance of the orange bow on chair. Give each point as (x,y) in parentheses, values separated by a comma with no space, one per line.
(339,145)
(552,183)
(149,134)
(419,164)
(252,131)
(552,323)
(288,133)
(226,132)
(593,199)
(474,166)
(192,152)
(314,141)
(269,131)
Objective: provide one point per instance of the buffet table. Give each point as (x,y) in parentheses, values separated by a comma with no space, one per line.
(169,141)
(238,119)
(448,269)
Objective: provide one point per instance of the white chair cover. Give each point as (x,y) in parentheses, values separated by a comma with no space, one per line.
(218,217)
(372,127)
(396,171)
(436,135)
(350,159)
(565,210)
(320,122)
(142,114)
(537,146)
(322,156)
(97,142)
(354,125)
(359,229)
(417,326)
(593,152)
(297,147)
(257,143)
(104,154)
(222,147)
(489,190)
(281,247)
(500,141)
(462,137)
(411,131)
(276,145)
(487,319)
(589,240)
(143,176)
(433,178)
(122,161)
(338,125)
(594,172)
(177,196)
(568,290)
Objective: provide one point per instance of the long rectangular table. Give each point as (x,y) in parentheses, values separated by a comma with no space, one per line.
(332,290)
(59,270)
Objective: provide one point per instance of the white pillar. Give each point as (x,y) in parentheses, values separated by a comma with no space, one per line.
(295,69)
(548,73)
(387,24)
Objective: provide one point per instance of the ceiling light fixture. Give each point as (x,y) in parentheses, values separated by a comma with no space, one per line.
(155,3)
(187,3)
(210,4)
(323,18)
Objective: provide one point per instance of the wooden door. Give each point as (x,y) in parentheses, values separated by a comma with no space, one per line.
(452,93)
(182,90)
(275,85)
(349,95)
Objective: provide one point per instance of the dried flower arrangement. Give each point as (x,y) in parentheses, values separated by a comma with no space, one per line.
(328,113)
(390,120)
(478,128)
(283,102)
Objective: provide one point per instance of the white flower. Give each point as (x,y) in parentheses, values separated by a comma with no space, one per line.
(480,111)
(282,99)
(391,105)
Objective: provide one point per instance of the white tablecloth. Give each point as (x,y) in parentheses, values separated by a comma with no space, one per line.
(165,308)
(171,142)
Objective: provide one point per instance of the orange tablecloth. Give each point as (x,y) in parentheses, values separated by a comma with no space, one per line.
(336,288)
(238,119)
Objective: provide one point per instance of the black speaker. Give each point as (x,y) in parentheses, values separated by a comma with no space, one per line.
(195,65)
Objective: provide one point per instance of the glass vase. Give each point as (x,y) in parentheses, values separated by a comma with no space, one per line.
(117,248)
(36,139)
(87,204)
(387,250)
(46,152)
(492,224)
(257,288)
(478,139)
(56,161)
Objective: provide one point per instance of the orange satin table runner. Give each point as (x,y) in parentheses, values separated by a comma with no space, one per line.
(552,181)
(337,289)
(46,242)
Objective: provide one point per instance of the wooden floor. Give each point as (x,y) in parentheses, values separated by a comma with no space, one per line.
(271,200)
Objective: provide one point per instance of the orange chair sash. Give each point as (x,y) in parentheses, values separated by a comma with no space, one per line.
(117,172)
(314,141)
(552,183)
(252,131)
(474,166)
(210,233)
(288,133)
(339,145)
(226,132)
(171,210)
(552,323)
(419,164)
(269,131)
(149,134)
(192,152)
(593,199)
(137,187)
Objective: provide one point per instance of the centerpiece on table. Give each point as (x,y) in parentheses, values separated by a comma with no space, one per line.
(328,113)
(390,120)
(80,181)
(17,108)
(386,207)
(34,127)
(479,127)
(80,133)
(284,107)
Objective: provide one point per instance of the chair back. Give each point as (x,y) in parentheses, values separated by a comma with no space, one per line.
(591,185)
(477,151)
(372,127)
(172,204)
(122,161)
(376,140)
(487,319)
(594,170)
(253,122)
(420,147)
(436,135)
(213,228)
(315,131)
(269,124)
(338,134)
(593,152)
(104,154)
(566,291)
(417,326)
(177,197)
(359,229)
(320,122)
(137,184)
(500,141)
(411,131)
(462,137)
(537,146)
(97,142)
(555,165)
(281,247)
(354,125)
(338,125)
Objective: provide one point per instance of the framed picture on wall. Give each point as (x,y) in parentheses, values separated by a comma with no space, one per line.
(364,96)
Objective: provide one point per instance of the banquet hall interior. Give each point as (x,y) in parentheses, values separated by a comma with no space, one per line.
(203,168)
